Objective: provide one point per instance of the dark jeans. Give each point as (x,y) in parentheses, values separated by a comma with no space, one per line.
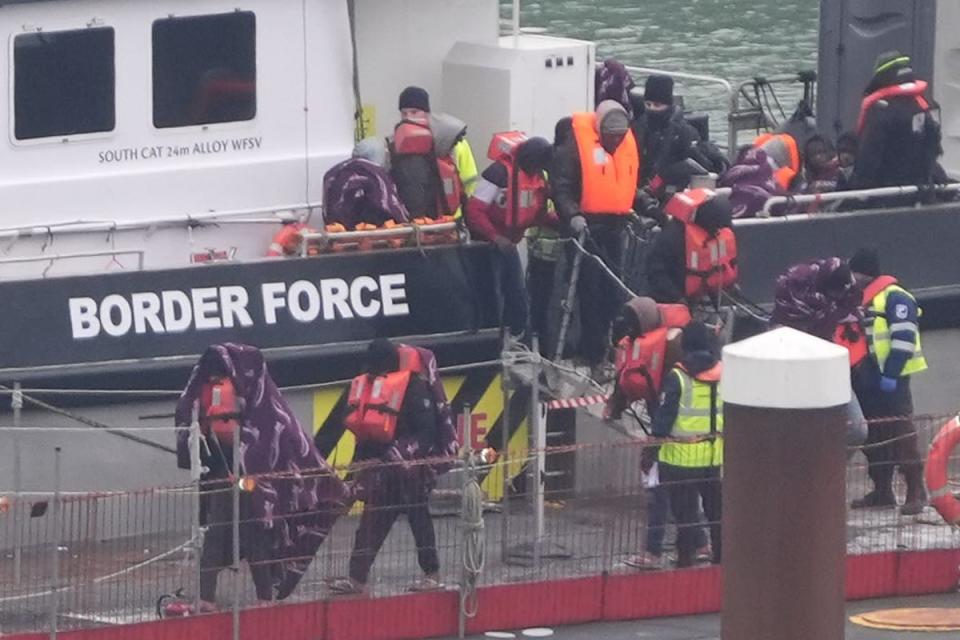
(600,297)
(512,289)
(901,449)
(688,486)
(217,553)
(384,505)
(540,274)
(658,507)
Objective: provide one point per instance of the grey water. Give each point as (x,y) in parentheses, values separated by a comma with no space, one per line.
(734,39)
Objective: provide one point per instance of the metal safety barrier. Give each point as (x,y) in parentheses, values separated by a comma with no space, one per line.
(99,560)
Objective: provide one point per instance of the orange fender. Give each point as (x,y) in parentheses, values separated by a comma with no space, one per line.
(935,473)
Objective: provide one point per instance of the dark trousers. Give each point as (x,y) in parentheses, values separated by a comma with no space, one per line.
(217,553)
(540,274)
(901,448)
(384,505)
(513,291)
(600,296)
(658,508)
(688,486)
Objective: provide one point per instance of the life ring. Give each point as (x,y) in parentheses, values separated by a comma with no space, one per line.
(936,476)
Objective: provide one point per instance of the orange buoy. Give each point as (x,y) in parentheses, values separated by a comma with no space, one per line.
(936,472)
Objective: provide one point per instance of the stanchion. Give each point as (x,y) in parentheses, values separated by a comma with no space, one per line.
(55,551)
(504,461)
(196,542)
(533,553)
(16,403)
(784,513)
(236,532)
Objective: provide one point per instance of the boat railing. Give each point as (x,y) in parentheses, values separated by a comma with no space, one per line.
(862,194)
(113,254)
(418,233)
(726,85)
(275,214)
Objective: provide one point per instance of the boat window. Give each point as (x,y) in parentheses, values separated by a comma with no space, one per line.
(204,69)
(63,83)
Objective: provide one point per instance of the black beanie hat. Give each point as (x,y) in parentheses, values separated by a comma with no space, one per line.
(382,357)
(415,98)
(659,88)
(697,337)
(866,261)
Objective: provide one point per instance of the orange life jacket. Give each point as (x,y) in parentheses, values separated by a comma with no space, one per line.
(640,361)
(784,175)
(414,137)
(851,336)
(711,260)
(526,201)
(287,241)
(608,183)
(374,405)
(913,90)
(219,409)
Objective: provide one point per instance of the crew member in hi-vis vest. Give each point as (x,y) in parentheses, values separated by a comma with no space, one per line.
(882,384)
(691,412)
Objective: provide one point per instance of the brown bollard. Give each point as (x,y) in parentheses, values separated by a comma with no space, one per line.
(784,491)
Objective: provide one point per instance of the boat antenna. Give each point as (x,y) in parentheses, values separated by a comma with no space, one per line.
(358,110)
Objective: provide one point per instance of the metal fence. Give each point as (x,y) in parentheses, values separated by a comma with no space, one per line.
(92,560)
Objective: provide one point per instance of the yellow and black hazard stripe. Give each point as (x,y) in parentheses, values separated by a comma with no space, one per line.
(480,389)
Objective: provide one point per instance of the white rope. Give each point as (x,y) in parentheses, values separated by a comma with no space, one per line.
(109,576)
(474,549)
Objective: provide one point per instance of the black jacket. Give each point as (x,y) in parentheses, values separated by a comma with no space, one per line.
(899,145)
(666,266)
(666,147)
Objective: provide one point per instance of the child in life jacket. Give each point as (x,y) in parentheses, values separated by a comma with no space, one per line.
(648,337)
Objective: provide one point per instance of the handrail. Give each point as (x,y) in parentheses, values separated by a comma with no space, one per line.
(861,194)
(140,253)
(732,101)
(283,214)
(380,233)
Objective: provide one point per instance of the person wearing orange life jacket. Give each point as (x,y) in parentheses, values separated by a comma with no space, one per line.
(783,153)
(646,335)
(900,137)
(511,197)
(221,414)
(882,384)
(594,186)
(393,415)
(696,253)
(431,160)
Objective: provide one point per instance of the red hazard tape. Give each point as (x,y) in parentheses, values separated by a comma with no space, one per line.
(573,403)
